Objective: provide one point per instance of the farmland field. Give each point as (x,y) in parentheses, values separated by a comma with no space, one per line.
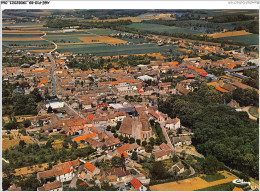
(161,28)
(110,50)
(26,43)
(102,39)
(229,34)
(251,39)
(102,31)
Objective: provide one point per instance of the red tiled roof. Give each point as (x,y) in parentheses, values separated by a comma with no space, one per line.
(221,90)
(77,139)
(90,116)
(124,148)
(89,166)
(136,183)
(189,76)
(124,153)
(237,189)
(204,74)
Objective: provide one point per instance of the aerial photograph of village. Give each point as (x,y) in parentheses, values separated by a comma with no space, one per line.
(130,100)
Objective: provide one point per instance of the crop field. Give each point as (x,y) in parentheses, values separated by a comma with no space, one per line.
(23,39)
(17,32)
(21,35)
(102,31)
(212,13)
(26,43)
(102,39)
(229,34)
(110,50)
(251,39)
(162,28)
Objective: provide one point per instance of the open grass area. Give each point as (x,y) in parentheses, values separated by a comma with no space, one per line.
(210,178)
(251,39)
(102,31)
(222,187)
(101,49)
(13,139)
(162,28)
(254,111)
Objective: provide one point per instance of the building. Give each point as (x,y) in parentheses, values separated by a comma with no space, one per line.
(63,172)
(178,168)
(173,124)
(54,103)
(91,170)
(162,155)
(53,186)
(137,185)
(136,127)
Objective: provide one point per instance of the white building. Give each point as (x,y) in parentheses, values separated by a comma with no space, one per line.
(54,103)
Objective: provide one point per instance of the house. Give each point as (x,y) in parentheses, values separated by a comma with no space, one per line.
(137,185)
(63,172)
(53,186)
(180,90)
(173,124)
(91,170)
(14,188)
(54,103)
(182,140)
(178,168)
(234,105)
(162,155)
(121,174)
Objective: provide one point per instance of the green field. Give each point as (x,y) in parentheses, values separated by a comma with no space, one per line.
(210,178)
(110,50)
(102,31)
(21,35)
(162,28)
(251,39)
(222,187)
(26,43)
(20,24)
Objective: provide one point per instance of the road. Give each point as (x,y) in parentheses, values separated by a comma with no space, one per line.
(167,137)
(73,183)
(52,74)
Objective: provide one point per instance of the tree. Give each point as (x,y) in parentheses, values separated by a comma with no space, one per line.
(116,161)
(65,144)
(148,148)
(113,129)
(74,145)
(126,139)
(131,140)
(11,125)
(49,110)
(158,170)
(22,144)
(152,141)
(211,165)
(108,128)
(118,124)
(26,123)
(138,141)
(134,156)
(144,143)
(179,131)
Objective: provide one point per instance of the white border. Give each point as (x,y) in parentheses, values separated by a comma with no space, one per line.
(228,4)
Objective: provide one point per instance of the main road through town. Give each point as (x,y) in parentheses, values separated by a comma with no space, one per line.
(52,73)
